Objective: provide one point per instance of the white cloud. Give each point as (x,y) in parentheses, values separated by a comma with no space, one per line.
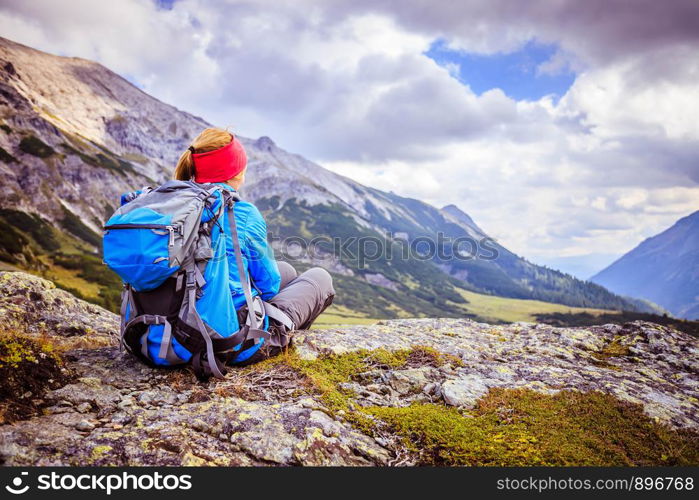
(347,83)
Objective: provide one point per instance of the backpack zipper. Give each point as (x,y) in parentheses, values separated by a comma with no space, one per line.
(170,229)
(137,226)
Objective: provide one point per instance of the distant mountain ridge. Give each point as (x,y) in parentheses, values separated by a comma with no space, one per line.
(75,136)
(663,269)
(458,216)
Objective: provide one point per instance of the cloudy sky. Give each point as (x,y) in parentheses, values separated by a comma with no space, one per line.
(567,129)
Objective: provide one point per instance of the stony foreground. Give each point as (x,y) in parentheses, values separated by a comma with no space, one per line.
(113,410)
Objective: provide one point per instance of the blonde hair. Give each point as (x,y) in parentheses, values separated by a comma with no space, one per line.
(208,140)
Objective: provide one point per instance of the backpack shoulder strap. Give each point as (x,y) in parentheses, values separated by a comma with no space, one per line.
(267,309)
(242,273)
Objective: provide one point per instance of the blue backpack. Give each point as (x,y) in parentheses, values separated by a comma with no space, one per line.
(167,247)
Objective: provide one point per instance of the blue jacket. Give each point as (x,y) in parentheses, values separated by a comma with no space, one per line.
(258,256)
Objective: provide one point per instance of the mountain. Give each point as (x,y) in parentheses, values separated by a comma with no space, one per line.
(663,269)
(580,266)
(75,136)
(400,392)
(457,216)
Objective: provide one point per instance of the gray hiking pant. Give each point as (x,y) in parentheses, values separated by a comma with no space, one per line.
(303,297)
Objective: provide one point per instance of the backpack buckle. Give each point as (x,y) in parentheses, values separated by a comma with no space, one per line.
(191,279)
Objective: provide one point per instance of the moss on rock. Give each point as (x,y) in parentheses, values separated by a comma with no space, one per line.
(352,396)
(28,368)
(523,427)
(326,374)
(507,427)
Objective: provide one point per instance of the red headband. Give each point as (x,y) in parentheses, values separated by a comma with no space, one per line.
(220,164)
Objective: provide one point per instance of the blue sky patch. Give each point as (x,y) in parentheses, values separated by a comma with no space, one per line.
(515,72)
(164,4)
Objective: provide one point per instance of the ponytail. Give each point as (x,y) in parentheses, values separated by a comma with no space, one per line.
(208,140)
(184,170)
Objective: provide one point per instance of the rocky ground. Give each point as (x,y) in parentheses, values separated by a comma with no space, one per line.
(329,401)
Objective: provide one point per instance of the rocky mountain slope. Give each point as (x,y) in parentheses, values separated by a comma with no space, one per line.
(74,136)
(663,269)
(400,392)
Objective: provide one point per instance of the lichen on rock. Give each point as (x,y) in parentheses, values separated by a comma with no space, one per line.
(28,369)
(400,392)
(37,307)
